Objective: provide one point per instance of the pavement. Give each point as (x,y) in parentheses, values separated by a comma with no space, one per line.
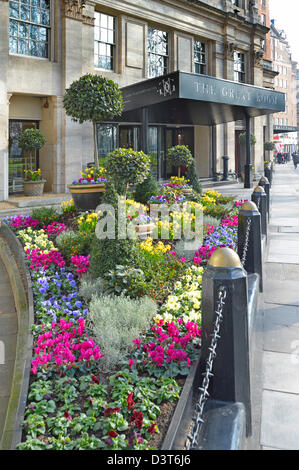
(8,338)
(280,370)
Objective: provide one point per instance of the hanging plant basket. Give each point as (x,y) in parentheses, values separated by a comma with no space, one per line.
(87,196)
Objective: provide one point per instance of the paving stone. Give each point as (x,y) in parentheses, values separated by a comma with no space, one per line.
(273,271)
(291,272)
(280,371)
(281,292)
(280,418)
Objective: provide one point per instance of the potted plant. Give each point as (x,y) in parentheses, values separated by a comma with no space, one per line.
(127,167)
(180,156)
(87,191)
(93,98)
(31,140)
(242,139)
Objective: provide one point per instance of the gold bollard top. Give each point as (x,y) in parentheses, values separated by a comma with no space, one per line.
(249,206)
(259,189)
(264,179)
(225,258)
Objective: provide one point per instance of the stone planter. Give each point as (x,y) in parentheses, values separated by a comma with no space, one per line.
(145,229)
(34,188)
(87,196)
(187,191)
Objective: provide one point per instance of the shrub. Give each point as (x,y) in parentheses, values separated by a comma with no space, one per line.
(180,155)
(72,243)
(127,167)
(146,189)
(116,322)
(90,287)
(192,176)
(106,253)
(93,98)
(45,215)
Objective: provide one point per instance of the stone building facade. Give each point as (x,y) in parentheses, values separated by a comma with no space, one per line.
(47,44)
(286,82)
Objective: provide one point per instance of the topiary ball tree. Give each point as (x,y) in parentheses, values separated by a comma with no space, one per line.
(31,140)
(180,155)
(93,98)
(127,167)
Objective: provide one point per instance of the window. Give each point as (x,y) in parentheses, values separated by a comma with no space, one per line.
(157,52)
(200,57)
(106,137)
(239,67)
(29,27)
(263,19)
(104,41)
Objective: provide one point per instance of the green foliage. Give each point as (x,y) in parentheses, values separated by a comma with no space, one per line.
(90,287)
(218,211)
(125,280)
(31,139)
(106,254)
(269,146)
(242,139)
(192,176)
(180,155)
(45,215)
(128,167)
(115,322)
(146,189)
(93,98)
(71,243)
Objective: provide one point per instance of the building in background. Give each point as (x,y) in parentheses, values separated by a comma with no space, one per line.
(220,48)
(285,123)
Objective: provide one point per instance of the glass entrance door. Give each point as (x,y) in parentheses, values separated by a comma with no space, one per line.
(176,136)
(17,159)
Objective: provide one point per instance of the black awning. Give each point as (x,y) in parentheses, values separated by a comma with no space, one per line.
(277,129)
(185,98)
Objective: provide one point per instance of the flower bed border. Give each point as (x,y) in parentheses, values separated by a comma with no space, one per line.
(14,261)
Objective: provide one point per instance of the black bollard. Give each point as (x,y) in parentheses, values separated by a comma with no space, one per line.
(268,174)
(249,216)
(264,183)
(259,197)
(225,159)
(231,373)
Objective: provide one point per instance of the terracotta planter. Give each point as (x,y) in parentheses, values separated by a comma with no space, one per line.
(87,196)
(34,188)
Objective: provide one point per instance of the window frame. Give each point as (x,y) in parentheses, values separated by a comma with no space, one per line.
(49,29)
(166,57)
(242,72)
(204,64)
(113,44)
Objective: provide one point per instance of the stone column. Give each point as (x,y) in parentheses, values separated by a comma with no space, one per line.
(77,60)
(4,99)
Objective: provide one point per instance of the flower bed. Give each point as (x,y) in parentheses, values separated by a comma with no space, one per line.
(72,402)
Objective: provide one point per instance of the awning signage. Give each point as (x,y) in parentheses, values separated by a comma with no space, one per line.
(200,99)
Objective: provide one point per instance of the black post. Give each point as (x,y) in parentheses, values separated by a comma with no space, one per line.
(231,372)
(264,183)
(144,129)
(247,169)
(268,173)
(259,197)
(225,159)
(214,156)
(249,214)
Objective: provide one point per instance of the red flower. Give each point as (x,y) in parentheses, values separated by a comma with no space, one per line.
(137,419)
(109,411)
(130,401)
(152,429)
(112,433)
(95,379)
(67,416)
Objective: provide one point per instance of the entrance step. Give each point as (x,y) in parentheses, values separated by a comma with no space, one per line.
(211,183)
(17,205)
